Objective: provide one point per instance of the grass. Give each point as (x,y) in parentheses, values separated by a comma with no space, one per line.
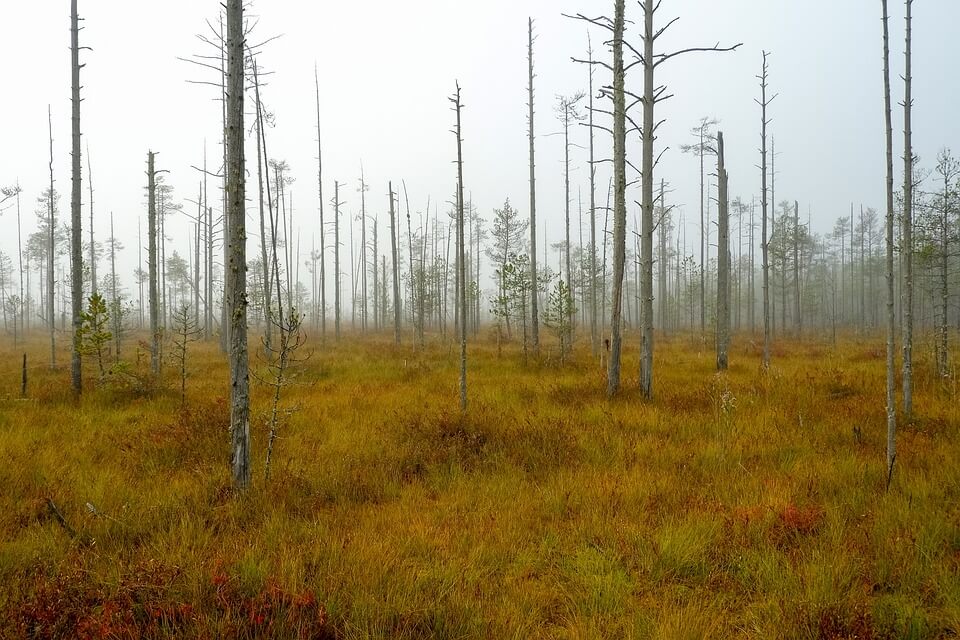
(734,505)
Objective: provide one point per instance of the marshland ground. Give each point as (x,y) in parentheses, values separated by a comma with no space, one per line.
(747,504)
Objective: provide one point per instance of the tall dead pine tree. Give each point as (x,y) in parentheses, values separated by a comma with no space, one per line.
(76,240)
(891,314)
(535,319)
(907,248)
(51,250)
(652,94)
(152,264)
(764,102)
(723,260)
(236,298)
(323,245)
(396,268)
(461,257)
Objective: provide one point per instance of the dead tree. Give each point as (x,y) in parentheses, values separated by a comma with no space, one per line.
(948,168)
(723,260)
(797,308)
(594,333)
(567,113)
(336,258)
(396,269)
(907,247)
(323,246)
(891,314)
(652,95)
(117,314)
(76,238)
(261,162)
(93,249)
(237,266)
(461,266)
(535,322)
(152,264)
(764,103)
(51,249)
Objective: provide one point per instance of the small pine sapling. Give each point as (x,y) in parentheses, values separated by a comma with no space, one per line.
(94,333)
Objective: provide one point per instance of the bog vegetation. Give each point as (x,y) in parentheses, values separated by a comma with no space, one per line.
(740,504)
(757,441)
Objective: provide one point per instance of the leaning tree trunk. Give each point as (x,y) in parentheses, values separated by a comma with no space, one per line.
(237,266)
(619,202)
(76,240)
(891,315)
(907,249)
(723,260)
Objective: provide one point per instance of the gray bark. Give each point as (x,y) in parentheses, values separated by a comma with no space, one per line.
(723,260)
(907,248)
(76,241)
(461,264)
(336,259)
(535,320)
(152,264)
(51,249)
(619,200)
(323,246)
(396,269)
(764,244)
(891,314)
(237,271)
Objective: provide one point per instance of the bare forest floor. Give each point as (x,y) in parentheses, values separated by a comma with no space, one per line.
(740,505)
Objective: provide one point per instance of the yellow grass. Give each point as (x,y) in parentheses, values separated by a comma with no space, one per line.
(736,505)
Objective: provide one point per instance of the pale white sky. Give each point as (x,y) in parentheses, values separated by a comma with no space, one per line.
(387,68)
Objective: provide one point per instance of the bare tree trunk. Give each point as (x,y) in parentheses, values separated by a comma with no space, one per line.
(51,249)
(76,239)
(797,309)
(396,269)
(323,245)
(152,264)
(93,251)
(619,200)
(461,265)
(891,316)
(117,318)
(336,259)
(237,271)
(535,324)
(646,211)
(723,260)
(764,243)
(413,286)
(594,333)
(261,160)
(907,249)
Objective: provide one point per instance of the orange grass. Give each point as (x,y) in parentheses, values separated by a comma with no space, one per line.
(738,505)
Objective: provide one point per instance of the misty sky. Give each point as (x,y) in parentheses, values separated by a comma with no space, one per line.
(387,68)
